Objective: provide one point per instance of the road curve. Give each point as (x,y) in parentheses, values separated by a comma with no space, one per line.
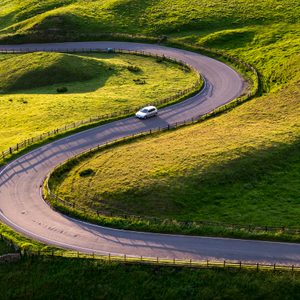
(23,209)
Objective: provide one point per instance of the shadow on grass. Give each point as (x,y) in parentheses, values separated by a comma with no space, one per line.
(260,187)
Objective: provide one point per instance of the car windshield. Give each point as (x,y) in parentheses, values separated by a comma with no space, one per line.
(144,110)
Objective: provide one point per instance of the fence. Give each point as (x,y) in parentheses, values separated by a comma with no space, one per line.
(171,99)
(95,119)
(188,263)
(154,220)
(221,54)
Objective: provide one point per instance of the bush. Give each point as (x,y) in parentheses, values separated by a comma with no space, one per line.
(133,69)
(139,81)
(62,89)
(87,172)
(160,59)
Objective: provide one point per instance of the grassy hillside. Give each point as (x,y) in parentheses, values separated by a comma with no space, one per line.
(238,26)
(28,71)
(78,279)
(273,49)
(264,33)
(242,167)
(150,16)
(111,87)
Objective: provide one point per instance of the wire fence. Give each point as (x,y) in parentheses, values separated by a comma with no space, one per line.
(96,119)
(141,260)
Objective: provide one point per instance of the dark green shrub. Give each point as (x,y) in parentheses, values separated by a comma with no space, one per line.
(87,172)
(133,69)
(61,90)
(139,81)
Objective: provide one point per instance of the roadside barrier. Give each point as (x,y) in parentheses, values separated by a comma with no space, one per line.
(196,87)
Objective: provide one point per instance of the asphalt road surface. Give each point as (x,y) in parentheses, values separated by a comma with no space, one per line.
(23,208)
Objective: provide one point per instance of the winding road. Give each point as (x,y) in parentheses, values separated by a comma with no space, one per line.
(23,208)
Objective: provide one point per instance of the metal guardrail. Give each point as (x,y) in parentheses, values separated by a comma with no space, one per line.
(94,119)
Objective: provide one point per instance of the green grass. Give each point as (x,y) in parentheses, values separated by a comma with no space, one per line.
(20,241)
(34,70)
(242,167)
(5,248)
(273,49)
(68,278)
(80,279)
(264,33)
(141,16)
(113,88)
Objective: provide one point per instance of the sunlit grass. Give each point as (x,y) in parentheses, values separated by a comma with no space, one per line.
(241,167)
(27,113)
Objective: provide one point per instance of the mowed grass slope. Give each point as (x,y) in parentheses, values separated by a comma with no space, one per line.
(97,84)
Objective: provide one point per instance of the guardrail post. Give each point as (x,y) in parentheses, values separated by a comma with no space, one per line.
(109,257)
(207,263)
(157,259)
(224,263)
(257,266)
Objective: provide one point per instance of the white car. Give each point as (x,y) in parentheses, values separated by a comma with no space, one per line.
(147,112)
